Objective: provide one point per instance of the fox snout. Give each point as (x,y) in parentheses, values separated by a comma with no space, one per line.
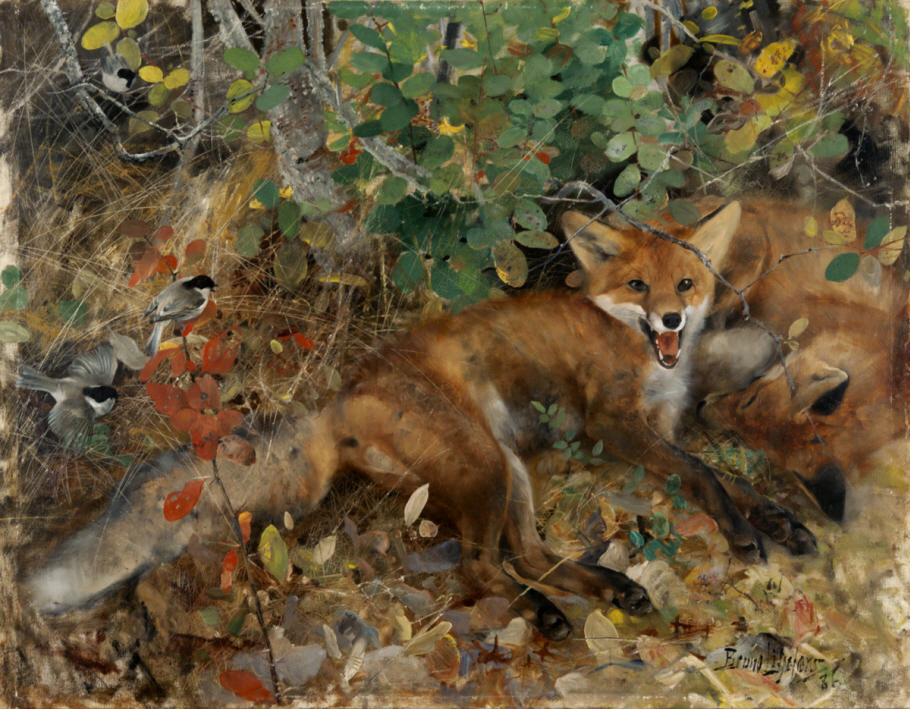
(665,332)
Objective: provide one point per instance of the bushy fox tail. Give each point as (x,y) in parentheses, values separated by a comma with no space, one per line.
(31,378)
(132,535)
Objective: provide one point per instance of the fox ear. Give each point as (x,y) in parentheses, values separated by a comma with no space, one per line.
(714,234)
(592,242)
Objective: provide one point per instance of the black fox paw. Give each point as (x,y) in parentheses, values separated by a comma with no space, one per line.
(784,528)
(633,600)
(552,624)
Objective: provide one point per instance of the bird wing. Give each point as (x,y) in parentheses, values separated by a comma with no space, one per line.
(95,368)
(181,309)
(72,420)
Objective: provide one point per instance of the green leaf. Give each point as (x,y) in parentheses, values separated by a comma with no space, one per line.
(160,93)
(12,275)
(553,409)
(598,448)
(285,61)
(684,212)
(235,624)
(211,616)
(72,312)
(386,95)
(14,298)
(290,264)
(266,192)
(409,272)
(547,108)
(392,190)
(537,239)
(445,281)
(418,85)
(877,230)
(679,502)
(660,527)
(230,127)
(462,59)
(105,10)
(540,407)
(384,219)
(639,474)
(529,215)
(496,84)
(367,129)
(511,137)
(651,156)
(242,59)
(832,145)
(622,87)
(636,538)
(247,241)
(621,147)
(349,9)
(560,445)
(368,36)
(627,181)
(273,96)
(289,218)
(358,81)
(370,62)
(399,116)
(734,76)
(842,267)
(397,71)
(437,151)
(12,332)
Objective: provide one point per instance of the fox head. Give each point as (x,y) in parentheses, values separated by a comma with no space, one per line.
(653,285)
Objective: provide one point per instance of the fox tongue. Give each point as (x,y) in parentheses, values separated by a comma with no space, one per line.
(668,346)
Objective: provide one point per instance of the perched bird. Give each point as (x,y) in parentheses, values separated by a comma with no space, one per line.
(82,396)
(182,301)
(116,73)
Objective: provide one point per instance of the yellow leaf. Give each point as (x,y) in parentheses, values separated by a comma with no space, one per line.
(511,264)
(839,39)
(238,88)
(788,94)
(128,48)
(273,552)
(445,128)
(151,74)
(177,78)
(798,327)
(892,245)
(105,10)
(811,227)
(719,39)
(318,235)
(843,220)
(99,35)
(276,347)
(260,132)
(256,204)
(832,237)
(709,13)
(773,57)
(346,279)
(131,12)
(671,60)
(562,15)
(742,139)
(692,27)
(286,192)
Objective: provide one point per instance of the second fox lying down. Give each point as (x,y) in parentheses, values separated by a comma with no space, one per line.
(449,404)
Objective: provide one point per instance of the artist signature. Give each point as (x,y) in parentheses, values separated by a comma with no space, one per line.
(784,666)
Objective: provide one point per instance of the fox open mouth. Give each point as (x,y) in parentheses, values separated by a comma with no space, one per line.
(666,345)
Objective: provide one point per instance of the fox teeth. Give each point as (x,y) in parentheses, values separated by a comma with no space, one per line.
(667,344)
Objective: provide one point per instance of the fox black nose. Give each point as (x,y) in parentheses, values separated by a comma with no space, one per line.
(672,320)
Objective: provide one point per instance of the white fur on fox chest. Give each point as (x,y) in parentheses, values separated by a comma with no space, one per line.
(666,394)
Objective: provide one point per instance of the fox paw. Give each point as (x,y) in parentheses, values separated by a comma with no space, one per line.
(784,528)
(746,542)
(552,624)
(634,599)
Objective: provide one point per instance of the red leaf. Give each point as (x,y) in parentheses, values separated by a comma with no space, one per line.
(195,251)
(347,206)
(219,353)
(203,394)
(179,504)
(204,436)
(135,229)
(184,419)
(178,366)
(168,263)
(805,620)
(231,561)
(146,267)
(544,158)
(245,685)
(229,419)
(190,365)
(163,234)
(304,341)
(236,449)
(188,329)
(149,369)
(227,570)
(168,398)
(244,519)
(349,157)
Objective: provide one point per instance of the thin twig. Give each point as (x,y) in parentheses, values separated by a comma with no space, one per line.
(235,523)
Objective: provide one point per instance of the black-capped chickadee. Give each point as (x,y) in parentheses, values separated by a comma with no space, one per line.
(182,301)
(82,396)
(116,73)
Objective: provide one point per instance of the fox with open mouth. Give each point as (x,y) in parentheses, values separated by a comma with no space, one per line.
(449,404)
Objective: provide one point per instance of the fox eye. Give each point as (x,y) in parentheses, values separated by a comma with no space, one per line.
(638,285)
(684,285)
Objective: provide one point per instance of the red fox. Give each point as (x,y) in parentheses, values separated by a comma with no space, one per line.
(848,395)
(449,404)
